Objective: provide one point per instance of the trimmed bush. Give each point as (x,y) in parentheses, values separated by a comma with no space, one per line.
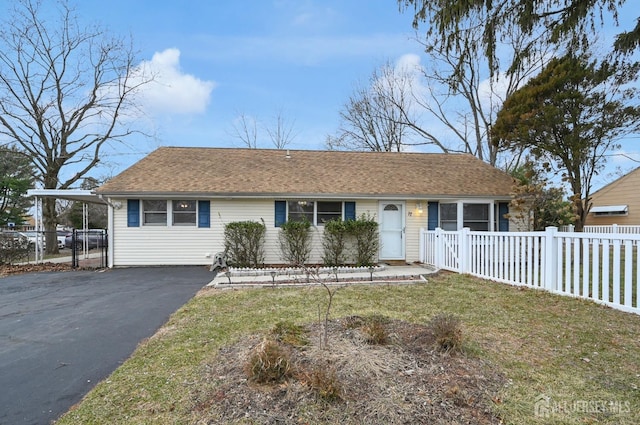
(364,230)
(334,243)
(295,242)
(244,243)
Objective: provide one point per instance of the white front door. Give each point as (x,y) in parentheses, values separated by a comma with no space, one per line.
(392,230)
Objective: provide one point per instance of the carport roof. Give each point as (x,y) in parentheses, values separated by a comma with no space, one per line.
(80,195)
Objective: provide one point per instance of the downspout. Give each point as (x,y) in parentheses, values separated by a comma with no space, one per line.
(110,224)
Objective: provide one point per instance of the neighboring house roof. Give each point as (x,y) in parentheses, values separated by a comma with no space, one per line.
(616,183)
(267,172)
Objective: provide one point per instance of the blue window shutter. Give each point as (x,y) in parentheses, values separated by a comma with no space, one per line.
(349,211)
(503,222)
(433,210)
(281,213)
(133,213)
(204,214)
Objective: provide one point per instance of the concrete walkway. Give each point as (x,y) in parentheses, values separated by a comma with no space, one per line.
(237,278)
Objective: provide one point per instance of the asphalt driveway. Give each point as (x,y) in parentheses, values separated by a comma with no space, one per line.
(62,332)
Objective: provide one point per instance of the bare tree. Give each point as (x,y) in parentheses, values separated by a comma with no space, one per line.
(460,95)
(376,116)
(449,104)
(64,91)
(245,129)
(282,132)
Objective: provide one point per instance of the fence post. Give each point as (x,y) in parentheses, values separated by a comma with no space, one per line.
(551,259)
(614,228)
(422,250)
(438,246)
(464,250)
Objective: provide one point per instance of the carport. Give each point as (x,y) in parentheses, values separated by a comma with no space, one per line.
(78,195)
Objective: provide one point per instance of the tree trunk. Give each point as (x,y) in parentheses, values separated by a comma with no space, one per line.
(50,221)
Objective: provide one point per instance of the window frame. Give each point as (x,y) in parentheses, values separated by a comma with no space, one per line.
(177,212)
(461,221)
(448,221)
(170,213)
(144,211)
(314,216)
(471,223)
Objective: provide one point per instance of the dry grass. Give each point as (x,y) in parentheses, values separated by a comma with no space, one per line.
(581,359)
(352,382)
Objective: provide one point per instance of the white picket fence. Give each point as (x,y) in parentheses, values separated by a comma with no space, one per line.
(627,229)
(602,267)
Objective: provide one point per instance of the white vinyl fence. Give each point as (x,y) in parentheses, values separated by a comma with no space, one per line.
(602,267)
(627,229)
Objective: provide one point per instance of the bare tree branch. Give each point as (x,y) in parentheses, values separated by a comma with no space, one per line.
(64,91)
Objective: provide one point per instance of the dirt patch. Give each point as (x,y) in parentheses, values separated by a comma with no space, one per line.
(403,380)
(8,269)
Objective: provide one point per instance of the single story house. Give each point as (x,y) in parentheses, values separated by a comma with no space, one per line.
(171,207)
(617,203)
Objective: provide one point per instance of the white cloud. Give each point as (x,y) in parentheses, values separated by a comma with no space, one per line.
(172,91)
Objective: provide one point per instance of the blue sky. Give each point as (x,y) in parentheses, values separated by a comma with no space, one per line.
(261,58)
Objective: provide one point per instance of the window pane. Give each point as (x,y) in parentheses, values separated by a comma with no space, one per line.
(184,212)
(476,217)
(298,210)
(449,217)
(476,212)
(155,218)
(184,218)
(184,206)
(329,211)
(449,225)
(155,205)
(154,211)
(449,212)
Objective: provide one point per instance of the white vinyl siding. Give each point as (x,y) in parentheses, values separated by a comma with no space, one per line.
(189,245)
(415,221)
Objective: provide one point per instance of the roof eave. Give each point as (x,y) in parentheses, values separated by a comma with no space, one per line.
(349,196)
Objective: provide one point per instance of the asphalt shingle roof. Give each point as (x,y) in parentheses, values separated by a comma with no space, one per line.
(260,172)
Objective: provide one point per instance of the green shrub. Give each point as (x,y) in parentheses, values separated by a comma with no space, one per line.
(364,231)
(334,243)
(269,363)
(295,242)
(447,332)
(244,243)
(351,242)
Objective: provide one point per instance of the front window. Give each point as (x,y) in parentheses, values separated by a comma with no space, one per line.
(154,212)
(328,211)
(476,217)
(316,212)
(300,210)
(184,213)
(449,216)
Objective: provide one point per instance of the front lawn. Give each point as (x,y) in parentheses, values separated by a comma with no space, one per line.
(561,360)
